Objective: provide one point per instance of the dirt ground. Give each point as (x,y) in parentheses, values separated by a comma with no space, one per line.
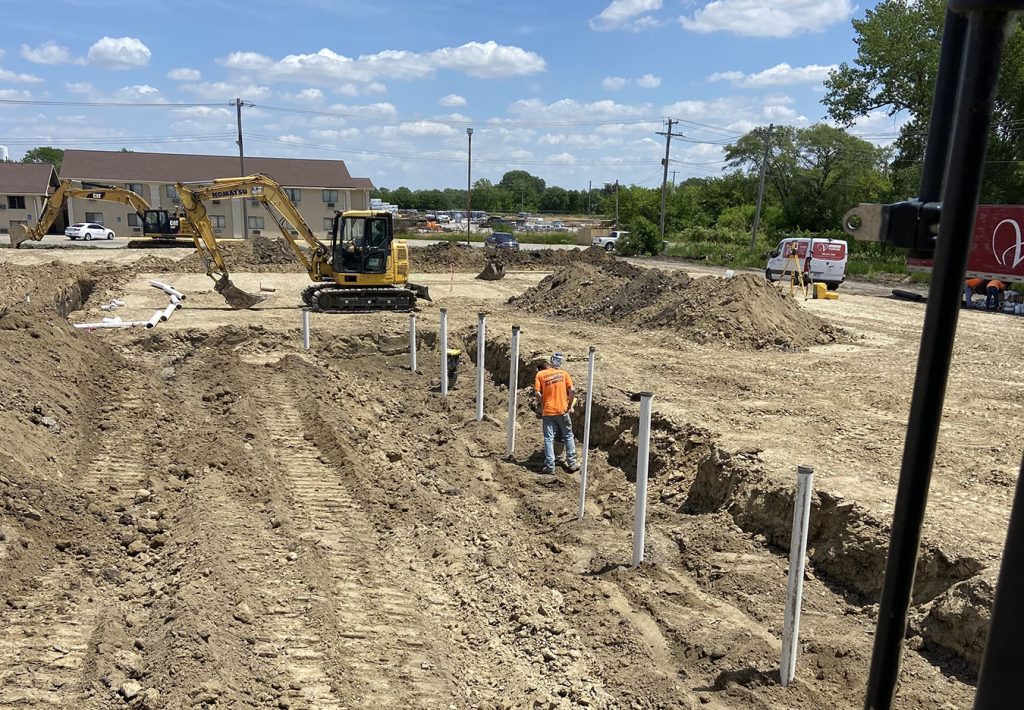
(205,515)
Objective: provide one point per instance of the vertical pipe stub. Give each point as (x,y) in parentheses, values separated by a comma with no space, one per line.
(795,579)
(585,463)
(412,342)
(444,352)
(804,470)
(643,453)
(481,351)
(305,329)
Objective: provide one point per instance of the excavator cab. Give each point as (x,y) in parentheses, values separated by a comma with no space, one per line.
(361,244)
(160,222)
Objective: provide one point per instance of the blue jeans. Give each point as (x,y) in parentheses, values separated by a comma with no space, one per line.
(992,298)
(563,424)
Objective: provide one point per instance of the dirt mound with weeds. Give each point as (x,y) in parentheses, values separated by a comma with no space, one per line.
(258,254)
(451,256)
(744,310)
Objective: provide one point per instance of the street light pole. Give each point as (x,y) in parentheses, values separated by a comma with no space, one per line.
(469,185)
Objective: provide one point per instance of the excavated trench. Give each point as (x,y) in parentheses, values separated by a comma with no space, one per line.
(691,474)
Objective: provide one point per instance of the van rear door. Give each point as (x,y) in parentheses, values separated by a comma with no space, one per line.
(828,260)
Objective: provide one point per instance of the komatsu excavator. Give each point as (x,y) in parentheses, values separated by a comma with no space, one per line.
(159,226)
(364,268)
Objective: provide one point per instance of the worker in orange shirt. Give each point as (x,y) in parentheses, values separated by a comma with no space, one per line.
(553,390)
(971,287)
(994,294)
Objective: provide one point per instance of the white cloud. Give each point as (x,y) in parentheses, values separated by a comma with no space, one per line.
(571,110)
(226,91)
(649,81)
(726,76)
(204,112)
(484,60)
(79,87)
(307,96)
(382,109)
(767,18)
(184,74)
(779,75)
(331,134)
(49,52)
(140,93)
(290,138)
(626,14)
(417,129)
(452,101)
(15,94)
(613,83)
(119,53)
(15,77)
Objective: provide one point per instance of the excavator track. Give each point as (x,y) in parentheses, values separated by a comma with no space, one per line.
(329,298)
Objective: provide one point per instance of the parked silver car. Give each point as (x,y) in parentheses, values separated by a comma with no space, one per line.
(88,231)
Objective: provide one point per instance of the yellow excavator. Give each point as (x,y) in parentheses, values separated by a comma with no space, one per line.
(364,268)
(159,227)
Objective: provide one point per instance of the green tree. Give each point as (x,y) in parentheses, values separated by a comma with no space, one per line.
(524,189)
(45,154)
(403,197)
(642,238)
(815,173)
(898,44)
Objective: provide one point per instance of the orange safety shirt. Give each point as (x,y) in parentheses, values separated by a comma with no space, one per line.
(975,284)
(997,284)
(553,385)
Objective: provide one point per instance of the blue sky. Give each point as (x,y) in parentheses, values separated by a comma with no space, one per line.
(572,91)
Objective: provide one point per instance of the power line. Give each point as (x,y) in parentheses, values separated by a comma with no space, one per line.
(109,104)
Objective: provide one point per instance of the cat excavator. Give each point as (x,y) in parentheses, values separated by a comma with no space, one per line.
(159,227)
(364,268)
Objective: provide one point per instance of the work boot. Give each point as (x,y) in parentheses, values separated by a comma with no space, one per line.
(547,469)
(573,467)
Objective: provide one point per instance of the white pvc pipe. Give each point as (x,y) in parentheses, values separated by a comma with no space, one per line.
(513,392)
(643,451)
(169,290)
(305,329)
(412,342)
(586,432)
(176,301)
(444,352)
(166,315)
(481,346)
(151,323)
(795,584)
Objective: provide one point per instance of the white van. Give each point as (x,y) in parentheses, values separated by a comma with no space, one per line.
(827,260)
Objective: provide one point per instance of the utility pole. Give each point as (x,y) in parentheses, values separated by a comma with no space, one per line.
(590,191)
(760,186)
(664,178)
(616,205)
(469,184)
(241,163)
(674,180)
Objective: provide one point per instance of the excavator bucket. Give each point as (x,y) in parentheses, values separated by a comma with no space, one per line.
(420,291)
(236,297)
(492,272)
(19,234)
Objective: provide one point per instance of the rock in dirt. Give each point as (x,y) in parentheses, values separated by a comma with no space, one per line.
(142,495)
(129,689)
(243,614)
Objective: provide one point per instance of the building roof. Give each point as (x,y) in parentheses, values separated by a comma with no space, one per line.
(27,178)
(102,165)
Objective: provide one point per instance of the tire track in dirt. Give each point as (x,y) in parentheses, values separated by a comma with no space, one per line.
(289,635)
(387,644)
(44,642)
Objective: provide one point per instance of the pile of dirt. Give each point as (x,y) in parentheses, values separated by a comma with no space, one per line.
(744,310)
(258,254)
(450,256)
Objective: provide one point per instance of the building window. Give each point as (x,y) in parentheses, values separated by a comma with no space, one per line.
(134,221)
(170,193)
(328,224)
(255,222)
(96,217)
(218,221)
(294,194)
(16,202)
(135,187)
(330,197)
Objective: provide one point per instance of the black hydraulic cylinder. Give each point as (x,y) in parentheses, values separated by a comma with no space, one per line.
(966,156)
(999,680)
(940,126)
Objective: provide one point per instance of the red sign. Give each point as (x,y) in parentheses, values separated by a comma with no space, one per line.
(829,251)
(997,245)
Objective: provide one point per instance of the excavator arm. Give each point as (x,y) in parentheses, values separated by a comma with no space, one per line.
(253,187)
(65,191)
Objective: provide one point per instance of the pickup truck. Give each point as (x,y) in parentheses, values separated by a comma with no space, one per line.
(607,243)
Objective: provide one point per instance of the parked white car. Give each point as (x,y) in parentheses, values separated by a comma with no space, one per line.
(88,231)
(607,243)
